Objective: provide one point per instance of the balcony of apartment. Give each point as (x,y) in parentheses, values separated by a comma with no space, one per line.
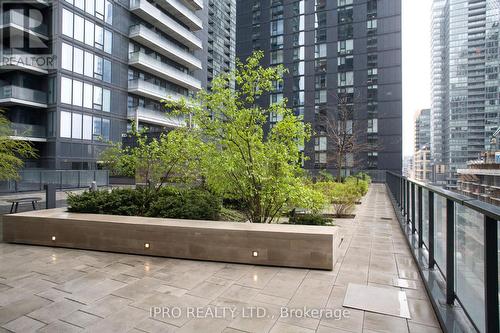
(19,60)
(15,95)
(110,292)
(165,23)
(153,91)
(19,26)
(28,132)
(143,115)
(158,43)
(182,13)
(163,70)
(196,4)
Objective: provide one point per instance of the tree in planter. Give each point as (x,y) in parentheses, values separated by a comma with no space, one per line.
(242,162)
(12,151)
(345,134)
(171,158)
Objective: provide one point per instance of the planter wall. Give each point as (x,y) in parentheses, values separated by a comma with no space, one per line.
(277,245)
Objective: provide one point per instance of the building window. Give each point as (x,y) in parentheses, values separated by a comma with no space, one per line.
(76,126)
(345,46)
(87,127)
(67,57)
(77,93)
(276,57)
(65,125)
(87,95)
(67,23)
(372,125)
(276,27)
(345,79)
(320,50)
(66,88)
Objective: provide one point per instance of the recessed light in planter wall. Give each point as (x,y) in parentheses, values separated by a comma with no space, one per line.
(53,238)
(146,245)
(255,254)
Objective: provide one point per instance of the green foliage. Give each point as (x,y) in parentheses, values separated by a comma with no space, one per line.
(325,176)
(343,196)
(309,219)
(171,158)
(167,202)
(12,151)
(239,161)
(192,204)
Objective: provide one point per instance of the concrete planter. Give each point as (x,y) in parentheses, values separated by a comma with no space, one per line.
(262,244)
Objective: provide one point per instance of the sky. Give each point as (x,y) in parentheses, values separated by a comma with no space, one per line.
(416,26)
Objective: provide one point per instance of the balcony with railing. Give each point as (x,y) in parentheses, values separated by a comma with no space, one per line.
(455,241)
(15,95)
(143,115)
(12,59)
(20,23)
(165,23)
(29,132)
(153,91)
(182,13)
(163,70)
(162,45)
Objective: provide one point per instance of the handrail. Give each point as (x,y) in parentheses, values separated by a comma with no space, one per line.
(472,203)
(467,273)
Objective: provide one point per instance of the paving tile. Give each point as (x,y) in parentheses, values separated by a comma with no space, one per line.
(404,283)
(56,310)
(280,327)
(155,326)
(21,307)
(107,306)
(24,325)
(81,319)
(120,321)
(239,293)
(418,328)
(383,323)
(258,318)
(257,277)
(377,299)
(422,312)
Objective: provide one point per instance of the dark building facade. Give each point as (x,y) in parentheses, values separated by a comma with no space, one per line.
(338,52)
(113,61)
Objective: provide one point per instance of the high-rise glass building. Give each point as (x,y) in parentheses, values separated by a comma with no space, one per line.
(75,73)
(337,52)
(221,37)
(465,77)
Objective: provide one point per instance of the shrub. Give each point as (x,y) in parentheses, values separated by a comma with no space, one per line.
(168,202)
(309,219)
(344,196)
(195,204)
(360,185)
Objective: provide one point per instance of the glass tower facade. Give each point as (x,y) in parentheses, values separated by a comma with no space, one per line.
(339,54)
(466,103)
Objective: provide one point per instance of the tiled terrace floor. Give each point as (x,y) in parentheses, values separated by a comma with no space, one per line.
(61,290)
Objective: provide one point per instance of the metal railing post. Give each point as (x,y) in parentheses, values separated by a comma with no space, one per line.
(407,201)
(450,251)
(420,217)
(491,274)
(432,261)
(413,226)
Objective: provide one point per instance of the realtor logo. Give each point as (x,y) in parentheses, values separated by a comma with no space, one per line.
(25,32)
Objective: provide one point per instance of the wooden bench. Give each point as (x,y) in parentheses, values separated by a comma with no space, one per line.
(15,202)
(249,243)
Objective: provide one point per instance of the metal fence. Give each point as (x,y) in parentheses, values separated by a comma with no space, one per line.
(455,241)
(33,180)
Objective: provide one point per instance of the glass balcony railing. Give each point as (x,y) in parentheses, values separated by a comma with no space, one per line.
(164,46)
(164,70)
(23,94)
(165,23)
(28,130)
(157,117)
(151,90)
(17,18)
(455,240)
